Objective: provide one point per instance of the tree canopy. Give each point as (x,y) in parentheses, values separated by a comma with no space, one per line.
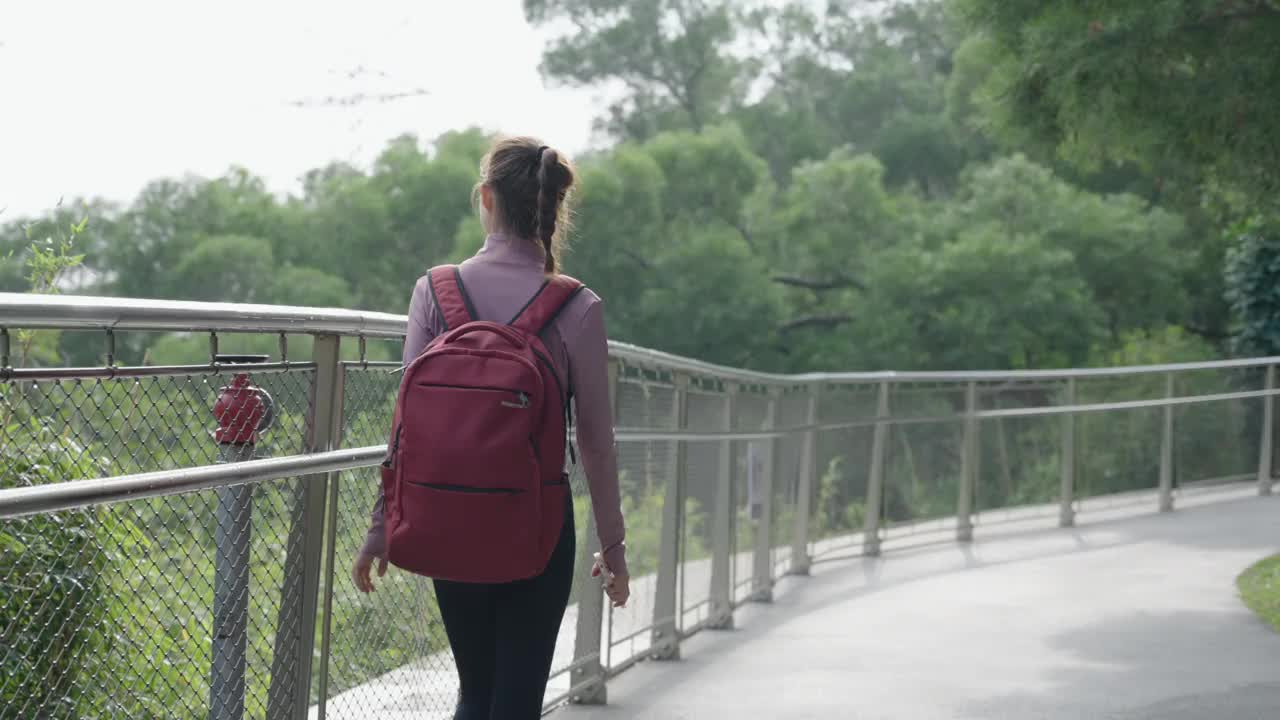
(918,185)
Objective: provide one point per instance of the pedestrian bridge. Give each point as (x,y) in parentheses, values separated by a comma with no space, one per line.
(1055,544)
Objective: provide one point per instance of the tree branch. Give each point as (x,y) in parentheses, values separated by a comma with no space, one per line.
(826,321)
(1205,333)
(837,283)
(746,235)
(635,257)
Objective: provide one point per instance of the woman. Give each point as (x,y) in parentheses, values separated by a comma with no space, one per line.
(503,635)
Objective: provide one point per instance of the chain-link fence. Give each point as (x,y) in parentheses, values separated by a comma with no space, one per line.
(177,541)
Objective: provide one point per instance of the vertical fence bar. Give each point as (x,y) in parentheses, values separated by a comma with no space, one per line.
(875,474)
(231,592)
(968,465)
(1066,497)
(1166,449)
(588,675)
(330,510)
(666,637)
(292,657)
(1266,446)
(800,560)
(762,576)
(722,525)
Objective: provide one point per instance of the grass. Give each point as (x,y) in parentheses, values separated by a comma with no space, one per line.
(1260,588)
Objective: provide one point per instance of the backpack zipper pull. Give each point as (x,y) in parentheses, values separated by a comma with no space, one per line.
(522,402)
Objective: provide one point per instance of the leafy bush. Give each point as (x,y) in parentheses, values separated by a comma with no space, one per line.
(55,594)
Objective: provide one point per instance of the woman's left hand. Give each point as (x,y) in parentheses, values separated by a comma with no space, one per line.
(616,586)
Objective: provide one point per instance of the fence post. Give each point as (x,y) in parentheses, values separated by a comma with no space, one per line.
(722,525)
(1066,498)
(762,575)
(968,465)
(875,474)
(666,636)
(1166,449)
(1268,435)
(588,676)
(800,560)
(290,691)
(242,410)
(231,592)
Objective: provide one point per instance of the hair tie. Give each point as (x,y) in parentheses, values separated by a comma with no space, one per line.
(542,149)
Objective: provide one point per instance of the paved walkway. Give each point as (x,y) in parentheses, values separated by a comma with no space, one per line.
(1133,619)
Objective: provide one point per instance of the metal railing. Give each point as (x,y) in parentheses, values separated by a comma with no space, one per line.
(153,567)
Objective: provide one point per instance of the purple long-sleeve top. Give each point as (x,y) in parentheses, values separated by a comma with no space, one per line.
(500,279)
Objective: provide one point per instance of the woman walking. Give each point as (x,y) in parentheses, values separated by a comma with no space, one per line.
(499,351)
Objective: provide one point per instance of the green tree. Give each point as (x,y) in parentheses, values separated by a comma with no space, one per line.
(226,268)
(1253,289)
(989,299)
(1112,239)
(1143,81)
(673,57)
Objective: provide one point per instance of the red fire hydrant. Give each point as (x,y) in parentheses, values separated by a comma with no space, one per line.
(242,411)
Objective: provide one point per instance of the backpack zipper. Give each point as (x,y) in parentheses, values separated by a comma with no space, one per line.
(522,401)
(395,446)
(467,489)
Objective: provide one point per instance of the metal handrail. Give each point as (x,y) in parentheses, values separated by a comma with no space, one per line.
(24,501)
(83,312)
(36,499)
(104,313)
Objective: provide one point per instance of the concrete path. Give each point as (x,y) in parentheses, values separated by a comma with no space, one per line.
(1133,619)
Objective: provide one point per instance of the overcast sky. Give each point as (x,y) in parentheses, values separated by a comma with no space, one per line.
(97,98)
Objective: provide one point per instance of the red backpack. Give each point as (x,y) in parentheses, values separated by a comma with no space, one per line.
(474,485)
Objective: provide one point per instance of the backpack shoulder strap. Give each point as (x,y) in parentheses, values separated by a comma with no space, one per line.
(546,304)
(450,296)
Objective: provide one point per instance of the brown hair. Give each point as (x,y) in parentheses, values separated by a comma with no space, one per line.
(532,184)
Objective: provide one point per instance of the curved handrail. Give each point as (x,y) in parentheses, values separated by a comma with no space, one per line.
(103,313)
(84,312)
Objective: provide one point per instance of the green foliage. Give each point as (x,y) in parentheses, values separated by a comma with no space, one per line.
(837,512)
(1191,82)
(227,268)
(1260,589)
(672,56)
(57,598)
(1253,289)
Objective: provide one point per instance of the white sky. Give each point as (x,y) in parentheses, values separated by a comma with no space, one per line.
(98,97)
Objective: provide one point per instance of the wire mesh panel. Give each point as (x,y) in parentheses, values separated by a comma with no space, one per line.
(793,411)
(1020,458)
(751,414)
(1215,442)
(388,652)
(842,463)
(702,476)
(129,611)
(141,424)
(1118,451)
(644,470)
(922,457)
(566,650)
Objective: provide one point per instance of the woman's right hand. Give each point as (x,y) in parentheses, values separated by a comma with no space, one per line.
(361,571)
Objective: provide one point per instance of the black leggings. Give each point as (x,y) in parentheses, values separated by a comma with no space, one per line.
(503,636)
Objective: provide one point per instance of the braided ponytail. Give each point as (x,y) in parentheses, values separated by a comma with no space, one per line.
(554,179)
(532,184)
